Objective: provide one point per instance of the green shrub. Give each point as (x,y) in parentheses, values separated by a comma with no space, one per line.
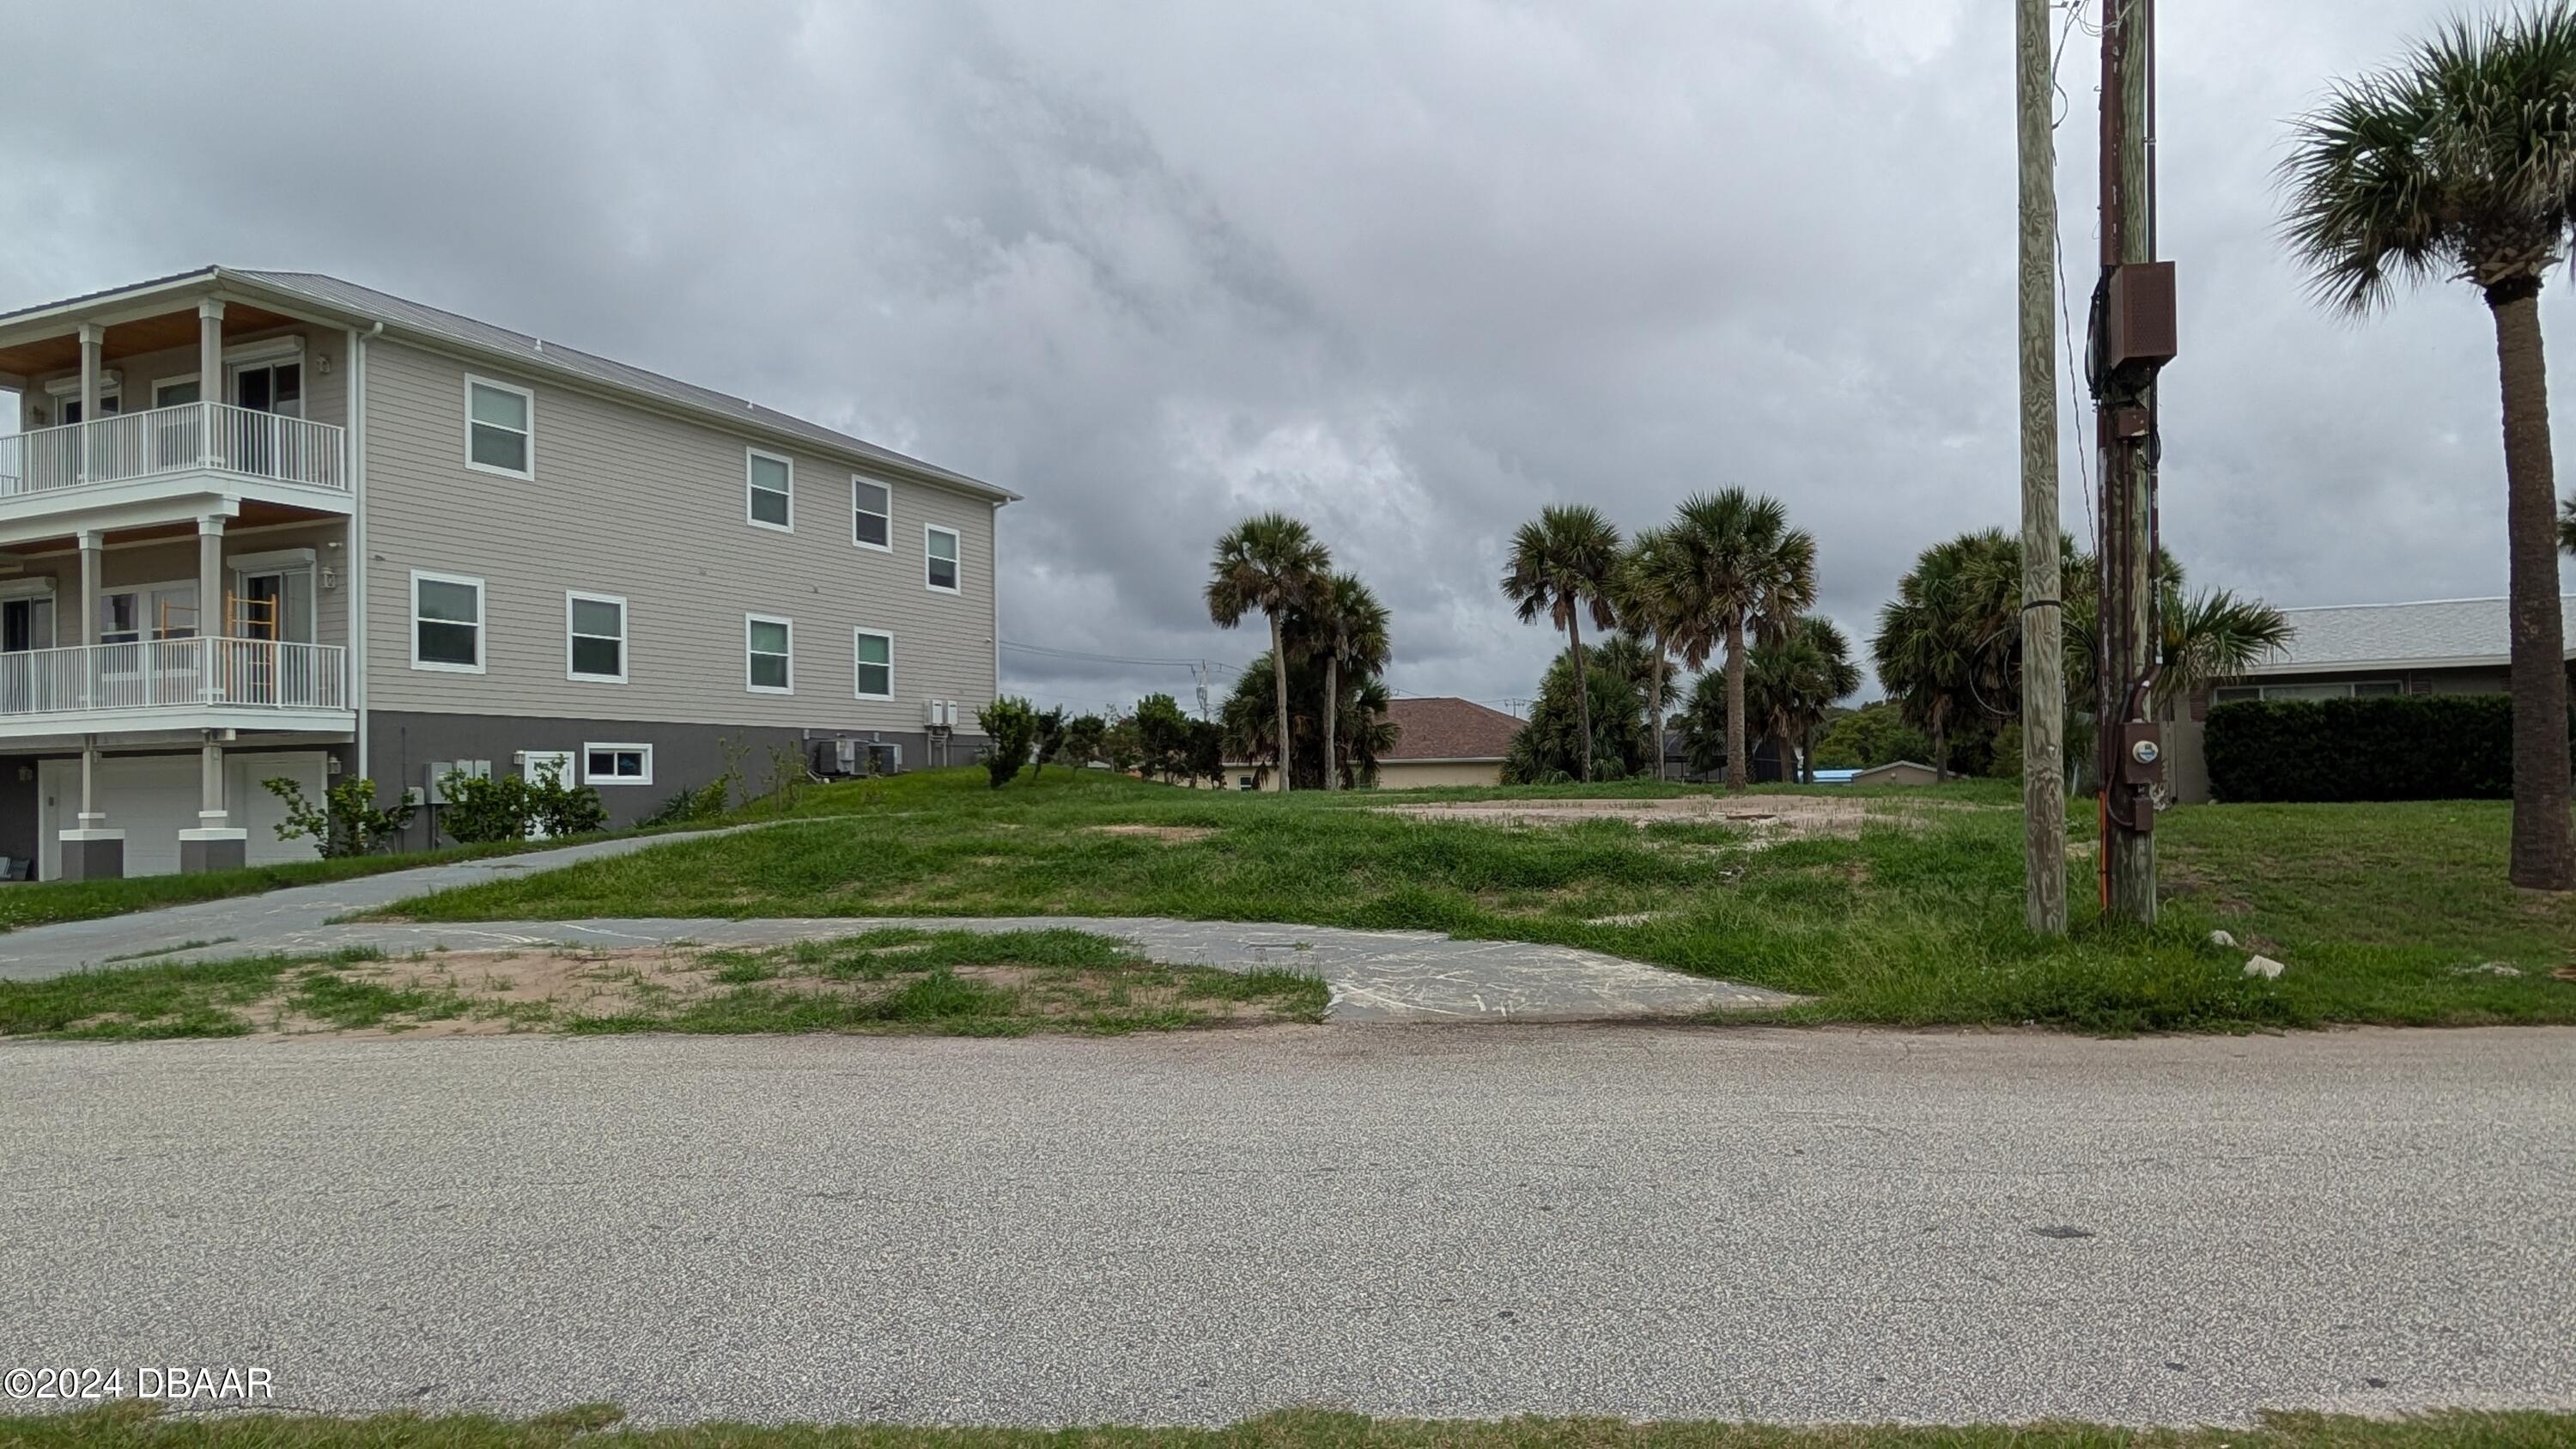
(347,822)
(1011,724)
(2383,747)
(510,808)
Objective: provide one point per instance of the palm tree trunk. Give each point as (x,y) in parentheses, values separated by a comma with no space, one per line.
(1582,694)
(1941,742)
(1655,705)
(1332,712)
(1279,675)
(2544,842)
(1807,754)
(1737,776)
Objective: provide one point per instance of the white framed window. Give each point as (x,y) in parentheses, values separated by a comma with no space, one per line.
(500,428)
(171,392)
(614,764)
(769,654)
(873,656)
(595,637)
(871,514)
(769,481)
(939,559)
(446,622)
(2363,689)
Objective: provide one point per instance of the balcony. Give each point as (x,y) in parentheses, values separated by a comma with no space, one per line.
(172,453)
(174,684)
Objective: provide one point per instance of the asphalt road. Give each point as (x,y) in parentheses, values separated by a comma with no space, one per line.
(1469,1220)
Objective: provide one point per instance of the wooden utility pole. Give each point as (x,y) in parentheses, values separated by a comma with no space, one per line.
(2133,336)
(2043,678)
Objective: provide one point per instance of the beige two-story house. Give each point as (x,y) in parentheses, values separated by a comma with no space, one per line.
(272,524)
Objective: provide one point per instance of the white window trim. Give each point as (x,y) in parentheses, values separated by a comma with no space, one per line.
(625,628)
(862,480)
(588,778)
(529,395)
(855,636)
(159,383)
(790,625)
(748,487)
(482,630)
(958,558)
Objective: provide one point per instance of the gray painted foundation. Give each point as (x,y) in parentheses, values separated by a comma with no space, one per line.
(401,747)
(199,856)
(93,859)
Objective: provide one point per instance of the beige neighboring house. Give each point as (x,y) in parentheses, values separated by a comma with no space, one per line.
(261,524)
(1896,772)
(1445,741)
(2436,646)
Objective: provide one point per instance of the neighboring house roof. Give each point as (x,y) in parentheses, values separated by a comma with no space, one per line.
(2431,634)
(1443,729)
(535,354)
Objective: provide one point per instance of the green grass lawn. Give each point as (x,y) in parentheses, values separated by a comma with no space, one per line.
(2384,913)
(132,1426)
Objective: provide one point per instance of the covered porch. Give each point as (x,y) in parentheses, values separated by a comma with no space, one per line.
(151,632)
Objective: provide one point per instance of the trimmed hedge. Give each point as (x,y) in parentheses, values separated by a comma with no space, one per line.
(2393,747)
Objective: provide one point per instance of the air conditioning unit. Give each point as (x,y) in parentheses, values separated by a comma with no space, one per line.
(845,757)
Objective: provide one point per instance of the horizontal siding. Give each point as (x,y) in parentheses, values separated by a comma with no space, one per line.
(629,502)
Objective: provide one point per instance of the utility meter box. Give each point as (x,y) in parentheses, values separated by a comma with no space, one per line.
(2138,316)
(2142,755)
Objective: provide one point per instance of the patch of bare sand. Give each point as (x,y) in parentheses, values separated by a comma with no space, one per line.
(1766,818)
(1169,834)
(493,993)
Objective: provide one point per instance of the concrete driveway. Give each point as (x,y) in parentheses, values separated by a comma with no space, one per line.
(1406,1220)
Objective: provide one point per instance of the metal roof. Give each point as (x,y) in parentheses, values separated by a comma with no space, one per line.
(350,299)
(2432,632)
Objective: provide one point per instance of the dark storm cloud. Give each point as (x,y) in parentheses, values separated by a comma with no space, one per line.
(1408,270)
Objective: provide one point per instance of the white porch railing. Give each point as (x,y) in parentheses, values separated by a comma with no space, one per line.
(124,447)
(250,674)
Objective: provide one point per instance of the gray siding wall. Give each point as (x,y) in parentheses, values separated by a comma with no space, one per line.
(632,503)
(401,747)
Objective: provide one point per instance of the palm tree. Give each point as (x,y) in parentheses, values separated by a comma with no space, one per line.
(2210,638)
(1563,565)
(1731,563)
(2461,163)
(1646,610)
(1347,626)
(1269,563)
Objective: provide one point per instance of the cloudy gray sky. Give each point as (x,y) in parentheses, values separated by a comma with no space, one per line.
(1409,270)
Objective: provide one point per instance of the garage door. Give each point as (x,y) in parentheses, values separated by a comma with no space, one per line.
(154,797)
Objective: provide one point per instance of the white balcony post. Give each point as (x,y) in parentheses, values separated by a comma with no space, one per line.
(210,374)
(93,343)
(211,624)
(92,559)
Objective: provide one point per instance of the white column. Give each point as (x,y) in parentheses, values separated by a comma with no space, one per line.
(211,623)
(93,343)
(210,370)
(92,559)
(210,812)
(91,817)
